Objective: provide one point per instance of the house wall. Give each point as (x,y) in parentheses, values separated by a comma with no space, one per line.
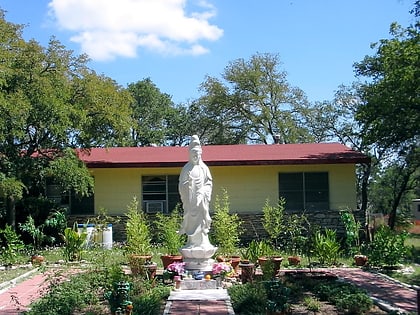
(248,187)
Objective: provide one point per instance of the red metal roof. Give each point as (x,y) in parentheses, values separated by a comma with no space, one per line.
(224,155)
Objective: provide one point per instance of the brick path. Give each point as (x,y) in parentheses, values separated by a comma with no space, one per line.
(383,289)
(16,299)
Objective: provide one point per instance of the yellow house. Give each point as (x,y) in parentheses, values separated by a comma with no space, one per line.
(319,179)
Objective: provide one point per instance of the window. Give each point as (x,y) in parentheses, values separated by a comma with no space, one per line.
(305,191)
(160,193)
(72,201)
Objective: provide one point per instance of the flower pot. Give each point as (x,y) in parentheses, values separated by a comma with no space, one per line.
(360,260)
(293,260)
(234,262)
(37,260)
(136,263)
(275,261)
(169,259)
(247,272)
(150,271)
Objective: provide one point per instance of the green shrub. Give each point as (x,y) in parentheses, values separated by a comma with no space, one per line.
(326,247)
(150,302)
(387,247)
(63,298)
(248,299)
(273,219)
(345,296)
(226,227)
(11,245)
(167,226)
(73,243)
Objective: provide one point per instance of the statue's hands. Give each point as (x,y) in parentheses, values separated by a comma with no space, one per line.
(199,199)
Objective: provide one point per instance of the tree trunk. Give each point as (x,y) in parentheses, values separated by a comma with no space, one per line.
(364,196)
(402,188)
(11,211)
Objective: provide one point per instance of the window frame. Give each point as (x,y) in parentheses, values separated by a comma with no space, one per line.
(305,188)
(163,197)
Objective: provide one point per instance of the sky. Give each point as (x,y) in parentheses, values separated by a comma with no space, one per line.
(177,43)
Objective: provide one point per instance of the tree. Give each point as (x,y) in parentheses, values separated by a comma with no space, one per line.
(255,103)
(50,101)
(152,110)
(390,115)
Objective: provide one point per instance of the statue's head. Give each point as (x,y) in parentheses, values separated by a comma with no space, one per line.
(195,149)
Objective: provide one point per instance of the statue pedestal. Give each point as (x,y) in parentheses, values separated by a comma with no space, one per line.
(198,258)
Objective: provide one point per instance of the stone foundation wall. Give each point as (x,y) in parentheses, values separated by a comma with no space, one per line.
(252,224)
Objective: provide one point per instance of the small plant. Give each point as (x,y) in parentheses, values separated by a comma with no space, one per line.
(277,296)
(167,231)
(294,228)
(387,247)
(257,249)
(222,269)
(73,243)
(326,247)
(57,220)
(248,299)
(226,227)
(312,304)
(137,229)
(11,245)
(273,219)
(352,227)
(345,296)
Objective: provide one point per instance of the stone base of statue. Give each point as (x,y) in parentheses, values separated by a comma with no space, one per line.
(198,258)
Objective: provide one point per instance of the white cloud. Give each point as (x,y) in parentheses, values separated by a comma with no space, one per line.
(106,29)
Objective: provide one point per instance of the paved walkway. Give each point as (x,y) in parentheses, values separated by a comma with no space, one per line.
(387,293)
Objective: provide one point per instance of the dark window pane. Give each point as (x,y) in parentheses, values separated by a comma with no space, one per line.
(290,181)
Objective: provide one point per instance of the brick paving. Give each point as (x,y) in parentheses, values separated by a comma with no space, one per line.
(383,289)
(15,300)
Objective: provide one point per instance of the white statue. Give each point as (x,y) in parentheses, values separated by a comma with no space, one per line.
(195,187)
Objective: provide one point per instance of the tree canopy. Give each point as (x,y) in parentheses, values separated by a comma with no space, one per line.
(49,101)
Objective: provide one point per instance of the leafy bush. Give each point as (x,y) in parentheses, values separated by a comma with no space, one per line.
(248,299)
(11,245)
(326,247)
(345,296)
(150,303)
(73,243)
(65,297)
(273,219)
(352,232)
(226,227)
(138,231)
(167,226)
(387,247)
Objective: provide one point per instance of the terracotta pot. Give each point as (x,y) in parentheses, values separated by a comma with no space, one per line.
(360,260)
(276,261)
(169,259)
(234,261)
(247,272)
(294,260)
(136,263)
(37,259)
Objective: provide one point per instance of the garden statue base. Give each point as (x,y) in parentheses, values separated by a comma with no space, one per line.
(198,258)
(191,284)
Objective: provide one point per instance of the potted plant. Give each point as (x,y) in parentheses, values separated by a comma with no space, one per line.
(138,245)
(226,230)
(294,229)
(167,226)
(352,240)
(73,243)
